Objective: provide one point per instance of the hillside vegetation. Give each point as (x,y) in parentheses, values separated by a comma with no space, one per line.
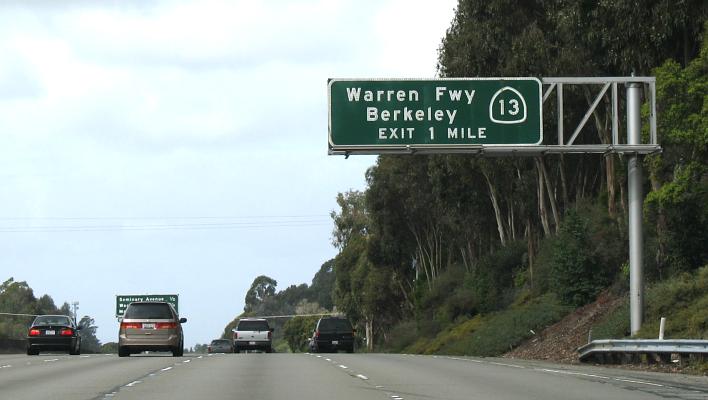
(470,255)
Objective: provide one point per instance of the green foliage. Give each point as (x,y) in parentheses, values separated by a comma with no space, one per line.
(683,300)
(18,298)
(585,256)
(262,291)
(297,331)
(109,348)
(323,285)
(491,282)
(89,341)
(496,333)
(615,325)
(677,208)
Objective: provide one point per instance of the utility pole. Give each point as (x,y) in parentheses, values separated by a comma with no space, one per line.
(74,307)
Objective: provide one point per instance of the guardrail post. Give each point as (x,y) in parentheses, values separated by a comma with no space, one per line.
(636,248)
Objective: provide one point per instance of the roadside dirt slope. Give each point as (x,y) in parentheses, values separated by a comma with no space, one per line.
(559,342)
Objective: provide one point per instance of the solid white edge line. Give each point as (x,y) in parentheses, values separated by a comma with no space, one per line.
(363,377)
(343,366)
(166,369)
(508,365)
(601,377)
(639,382)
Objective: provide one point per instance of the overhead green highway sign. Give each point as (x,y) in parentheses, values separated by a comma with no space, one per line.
(391,114)
(122,301)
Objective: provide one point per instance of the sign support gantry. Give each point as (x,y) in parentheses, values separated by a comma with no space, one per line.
(496,117)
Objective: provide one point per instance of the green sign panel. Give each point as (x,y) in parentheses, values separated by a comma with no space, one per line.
(448,113)
(122,301)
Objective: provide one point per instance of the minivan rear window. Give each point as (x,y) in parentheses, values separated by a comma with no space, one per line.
(253,326)
(334,325)
(148,311)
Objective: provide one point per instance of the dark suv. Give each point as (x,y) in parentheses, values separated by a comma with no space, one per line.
(332,334)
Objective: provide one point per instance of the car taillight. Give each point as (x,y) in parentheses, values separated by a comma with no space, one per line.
(317,334)
(34,332)
(131,325)
(165,325)
(66,332)
(270,335)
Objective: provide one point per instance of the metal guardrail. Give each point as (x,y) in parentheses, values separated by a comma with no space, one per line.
(628,350)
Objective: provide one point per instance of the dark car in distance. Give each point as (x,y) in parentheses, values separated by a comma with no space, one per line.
(332,334)
(53,333)
(220,346)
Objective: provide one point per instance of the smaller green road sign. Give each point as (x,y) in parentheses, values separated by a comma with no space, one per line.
(370,115)
(122,300)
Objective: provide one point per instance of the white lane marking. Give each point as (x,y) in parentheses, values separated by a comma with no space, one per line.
(133,383)
(572,373)
(52,360)
(319,356)
(363,377)
(621,379)
(328,359)
(200,357)
(186,361)
(166,369)
(508,365)
(85,356)
(639,382)
(6,366)
(379,387)
(343,366)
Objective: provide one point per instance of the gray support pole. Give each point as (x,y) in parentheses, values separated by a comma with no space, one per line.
(636,240)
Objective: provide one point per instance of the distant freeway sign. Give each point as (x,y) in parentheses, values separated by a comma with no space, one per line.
(391,114)
(122,301)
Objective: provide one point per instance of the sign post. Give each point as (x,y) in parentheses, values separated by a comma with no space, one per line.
(122,301)
(407,114)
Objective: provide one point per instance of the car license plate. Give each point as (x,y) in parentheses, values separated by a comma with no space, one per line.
(49,333)
(148,326)
(251,343)
(335,342)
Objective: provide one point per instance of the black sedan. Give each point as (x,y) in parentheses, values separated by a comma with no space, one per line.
(53,333)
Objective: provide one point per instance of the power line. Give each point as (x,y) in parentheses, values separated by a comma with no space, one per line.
(262,224)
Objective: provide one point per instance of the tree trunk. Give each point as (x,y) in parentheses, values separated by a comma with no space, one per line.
(603,133)
(564,184)
(529,249)
(497,211)
(549,189)
(542,210)
(369,327)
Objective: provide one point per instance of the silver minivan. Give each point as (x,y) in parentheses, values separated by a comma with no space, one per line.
(150,326)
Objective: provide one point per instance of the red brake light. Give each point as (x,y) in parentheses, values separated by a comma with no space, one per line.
(270,335)
(131,325)
(317,334)
(165,325)
(34,332)
(66,332)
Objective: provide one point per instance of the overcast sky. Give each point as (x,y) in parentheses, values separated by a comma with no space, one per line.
(181,146)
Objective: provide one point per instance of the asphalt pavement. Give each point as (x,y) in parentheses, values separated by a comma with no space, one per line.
(326,376)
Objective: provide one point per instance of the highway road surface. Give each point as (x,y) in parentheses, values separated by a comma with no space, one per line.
(326,376)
